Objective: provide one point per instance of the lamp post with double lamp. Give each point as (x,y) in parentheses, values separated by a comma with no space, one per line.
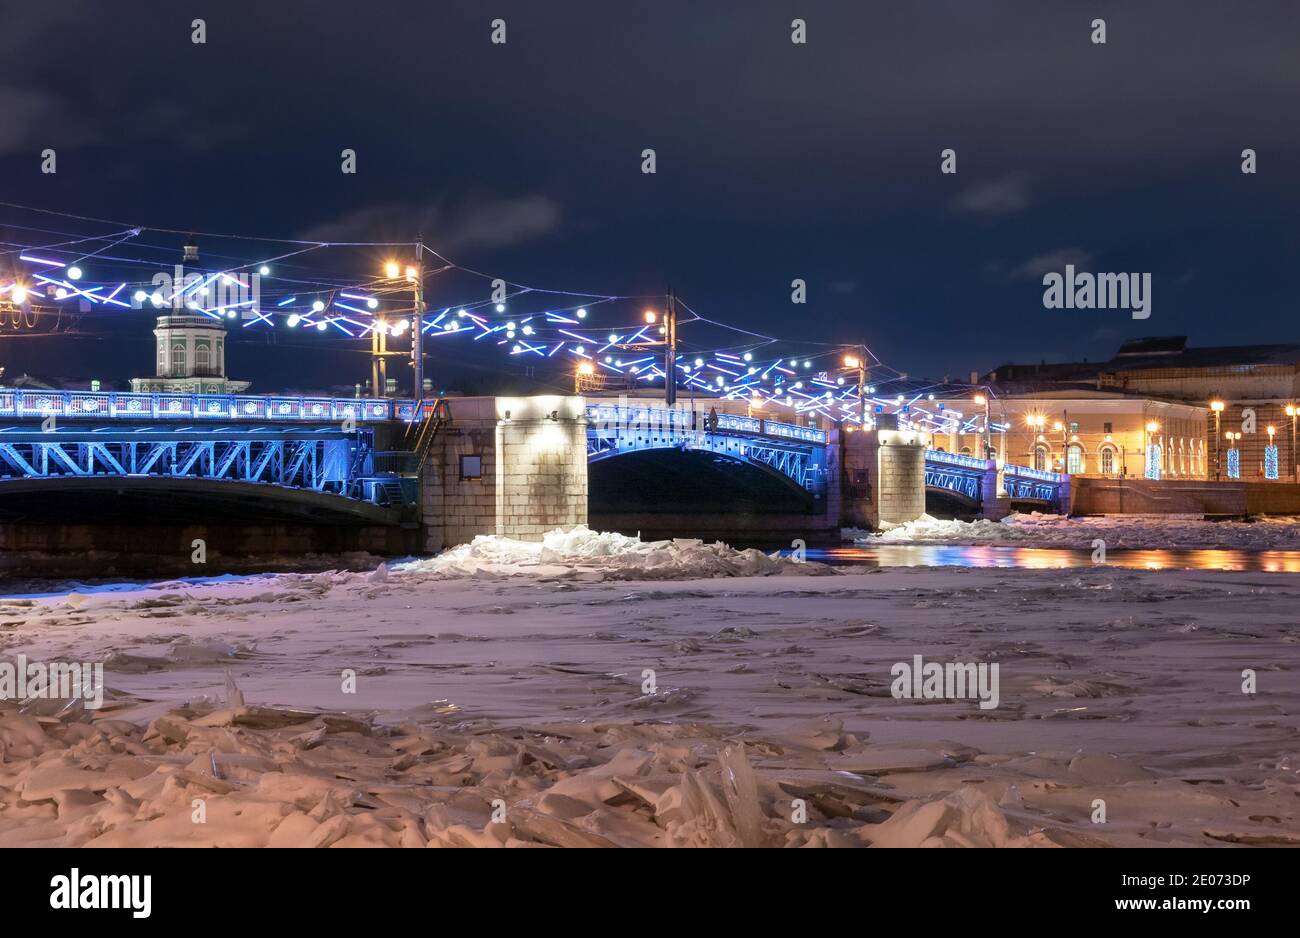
(1036,423)
(1060,427)
(1217,407)
(1291,411)
(982,400)
(414,275)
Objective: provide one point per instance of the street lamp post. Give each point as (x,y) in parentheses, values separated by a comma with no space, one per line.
(1036,422)
(859,361)
(1217,407)
(413,274)
(417,325)
(988,443)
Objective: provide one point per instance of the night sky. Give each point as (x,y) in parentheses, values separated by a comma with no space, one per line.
(775,160)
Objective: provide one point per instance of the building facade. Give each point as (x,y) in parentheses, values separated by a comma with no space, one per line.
(1247,390)
(1088,433)
(190,358)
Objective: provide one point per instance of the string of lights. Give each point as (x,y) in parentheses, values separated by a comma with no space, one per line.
(624,345)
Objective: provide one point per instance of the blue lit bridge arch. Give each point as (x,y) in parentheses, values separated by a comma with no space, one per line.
(324,446)
(794,452)
(964,476)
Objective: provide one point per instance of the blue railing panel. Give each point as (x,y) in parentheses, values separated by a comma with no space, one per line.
(39,404)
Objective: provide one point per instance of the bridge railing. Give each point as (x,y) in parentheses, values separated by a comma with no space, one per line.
(121,405)
(680,418)
(1038,475)
(955,459)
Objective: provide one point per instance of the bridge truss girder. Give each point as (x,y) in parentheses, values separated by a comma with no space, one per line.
(1032,488)
(963,483)
(319,465)
(802,464)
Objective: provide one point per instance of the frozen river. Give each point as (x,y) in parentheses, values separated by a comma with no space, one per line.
(599,694)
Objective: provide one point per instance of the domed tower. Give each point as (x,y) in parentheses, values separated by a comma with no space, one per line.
(191,352)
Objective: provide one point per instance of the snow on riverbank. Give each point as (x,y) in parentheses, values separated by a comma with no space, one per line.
(1126,533)
(595,556)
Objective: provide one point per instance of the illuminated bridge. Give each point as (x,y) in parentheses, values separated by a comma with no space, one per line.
(795,452)
(244,459)
(318,455)
(669,471)
(970,478)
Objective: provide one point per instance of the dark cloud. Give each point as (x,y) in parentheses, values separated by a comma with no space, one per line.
(1040,264)
(449,225)
(1004,196)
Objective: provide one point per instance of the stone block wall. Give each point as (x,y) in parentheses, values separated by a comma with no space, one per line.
(541,471)
(532,460)
(900,490)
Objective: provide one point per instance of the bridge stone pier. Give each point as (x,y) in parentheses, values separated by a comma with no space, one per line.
(884,477)
(514,466)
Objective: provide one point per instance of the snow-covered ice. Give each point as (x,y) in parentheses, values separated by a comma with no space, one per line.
(590,555)
(1119,533)
(609,695)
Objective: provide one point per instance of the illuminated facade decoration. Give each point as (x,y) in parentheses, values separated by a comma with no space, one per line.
(1234,463)
(1154,461)
(1270,462)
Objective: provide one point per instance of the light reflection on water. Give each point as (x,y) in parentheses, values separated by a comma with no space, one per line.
(1055,558)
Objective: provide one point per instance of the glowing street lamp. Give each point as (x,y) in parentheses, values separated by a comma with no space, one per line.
(983,401)
(413,274)
(857,360)
(1217,406)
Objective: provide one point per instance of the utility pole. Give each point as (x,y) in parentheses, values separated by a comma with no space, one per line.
(862,388)
(379,361)
(417,326)
(670,350)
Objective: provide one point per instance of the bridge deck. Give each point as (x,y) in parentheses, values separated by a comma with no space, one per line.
(121,405)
